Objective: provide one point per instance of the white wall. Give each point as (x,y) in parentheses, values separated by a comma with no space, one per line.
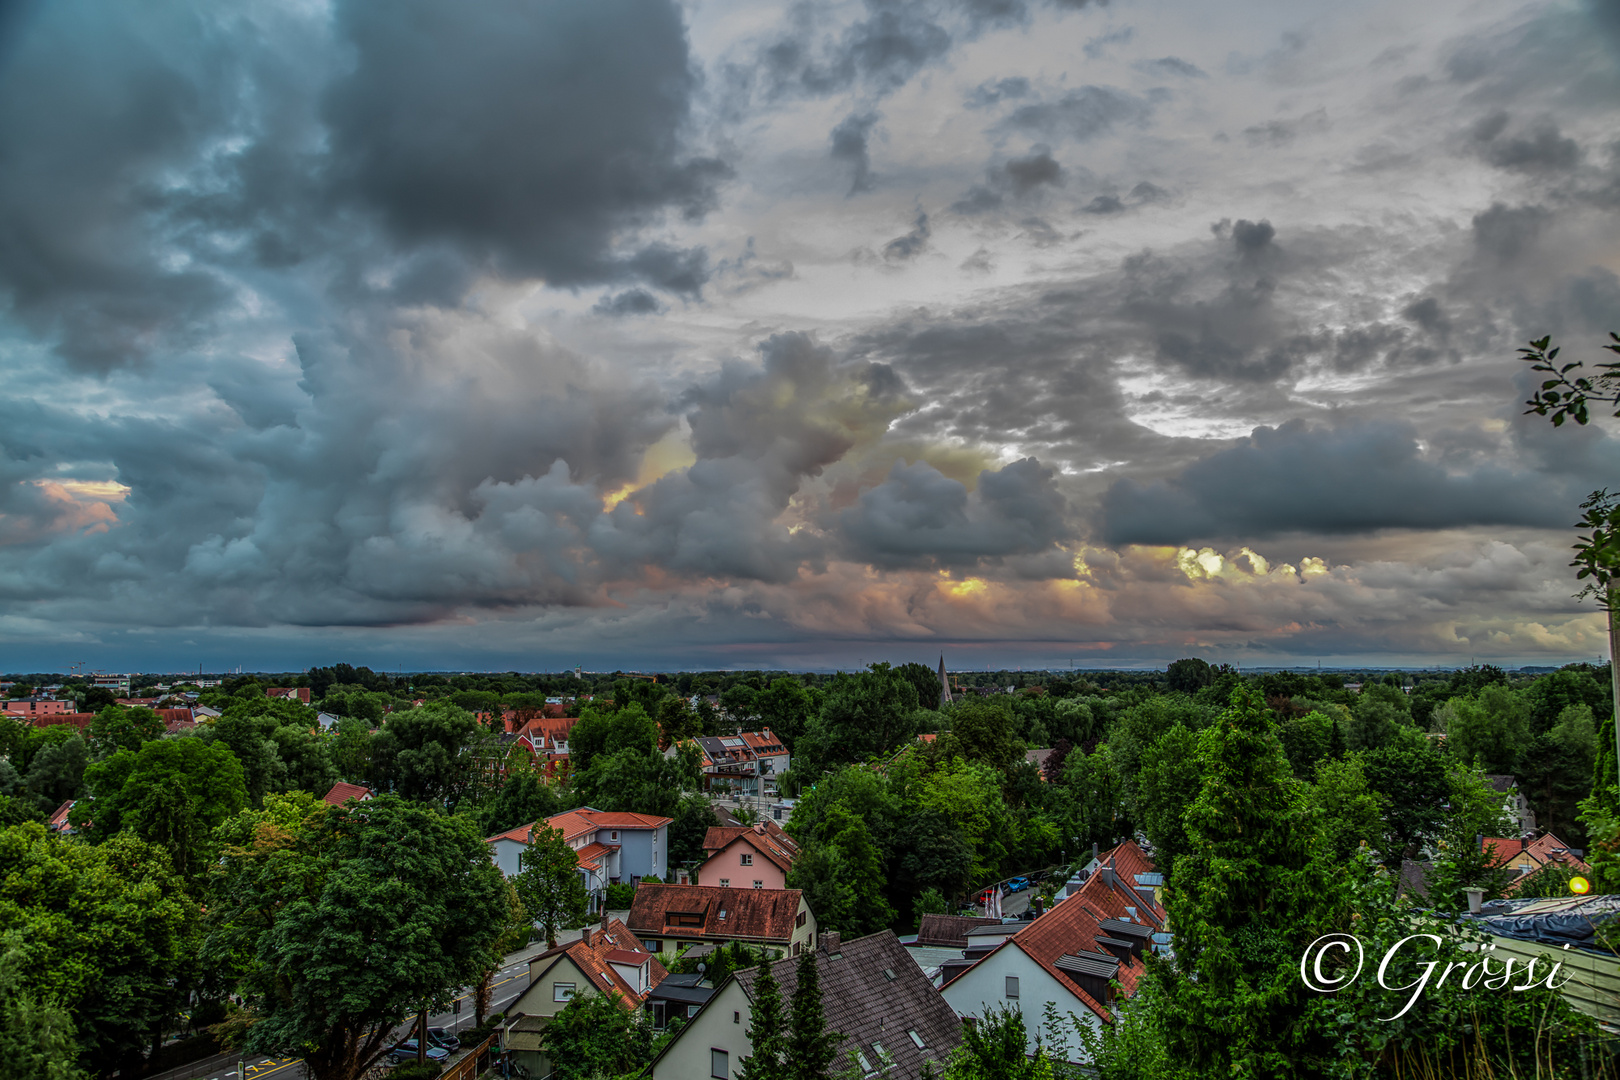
(983,987)
(722,1025)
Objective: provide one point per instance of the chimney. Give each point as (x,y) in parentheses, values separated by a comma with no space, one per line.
(759,827)
(829,941)
(585,935)
(1093,851)
(604,916)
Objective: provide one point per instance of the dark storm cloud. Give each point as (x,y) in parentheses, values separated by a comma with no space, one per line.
(849,145)
(1250,237)
(1080,114)
(629,302)
(526,135)
(1028,173)
(912,244)
(1537,147)
(1297,478)
(884,50)
(1508,231)
(1018,177)
(1104,204)
(100,111)
(920,518)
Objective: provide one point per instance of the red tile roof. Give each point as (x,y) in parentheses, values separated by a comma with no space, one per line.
(576,823)
(59,819)
(1545,849)
(591,853)
(604,947)
(766,915)
(520,834)
(1073,924)
(776,845)
(342,792)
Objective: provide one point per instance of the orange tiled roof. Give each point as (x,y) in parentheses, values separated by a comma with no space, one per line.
(343,792)
(595,958)
(1544,849)
(750,914)
(590,854)
(776,845)
(1074,924)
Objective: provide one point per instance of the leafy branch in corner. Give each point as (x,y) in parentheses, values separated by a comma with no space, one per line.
(1562,397)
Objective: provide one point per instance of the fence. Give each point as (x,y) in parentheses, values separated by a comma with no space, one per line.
(472,1063)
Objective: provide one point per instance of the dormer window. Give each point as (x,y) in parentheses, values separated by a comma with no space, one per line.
(614,835)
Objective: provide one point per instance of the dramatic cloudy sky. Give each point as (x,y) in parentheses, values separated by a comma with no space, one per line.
(521,333)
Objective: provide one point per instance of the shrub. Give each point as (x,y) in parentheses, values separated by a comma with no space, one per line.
(619,897)
(415,1070)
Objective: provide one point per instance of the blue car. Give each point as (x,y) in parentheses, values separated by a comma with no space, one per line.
(406,1051)
(1017,884)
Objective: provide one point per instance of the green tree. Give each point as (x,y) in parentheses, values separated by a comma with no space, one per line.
(1412,775)
(549,884)
(995,1049)
(1351,812)
(842,877)
(119,728)
(811,1048)
(1243,902)
(422,755)
(56,772)
(172,792)
(786,708)
(372,912)
(983,729)
(36,1035)
(968,795)
(926,682)
(605,732)
(1094,784)
(1169,781)
(767,1032)
(870,713)
(694,816)
(522,799)
(1188,676)
(103,930)
(597,1035)
(637,780)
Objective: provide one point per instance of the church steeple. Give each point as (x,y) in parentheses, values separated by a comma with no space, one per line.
(944,683)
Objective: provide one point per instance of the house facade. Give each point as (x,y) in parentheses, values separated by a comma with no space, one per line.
(611,847)
(744,764)
(1072,955)
(38,706)
(607,959)
(676,916)
(891,1017)
(756,856)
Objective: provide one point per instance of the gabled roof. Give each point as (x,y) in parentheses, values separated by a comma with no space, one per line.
(606,946)
(873,994)
(1066,940)
(342,792)
(748,914)
(1501,782)
(763,742)
(576,823)
(950,930)
(776,845)
(59,820)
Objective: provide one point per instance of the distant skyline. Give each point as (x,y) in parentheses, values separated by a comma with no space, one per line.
(743,334)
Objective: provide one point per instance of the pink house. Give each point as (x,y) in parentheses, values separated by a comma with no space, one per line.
(754,856)
(38,707)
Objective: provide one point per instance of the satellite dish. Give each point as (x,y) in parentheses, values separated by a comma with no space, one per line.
(702,968)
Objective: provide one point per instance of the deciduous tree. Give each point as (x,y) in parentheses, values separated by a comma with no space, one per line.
(548,882)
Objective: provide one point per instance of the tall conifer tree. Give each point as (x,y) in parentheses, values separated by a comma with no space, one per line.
(766,1032)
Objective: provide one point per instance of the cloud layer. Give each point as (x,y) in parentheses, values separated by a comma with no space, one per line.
(632,333)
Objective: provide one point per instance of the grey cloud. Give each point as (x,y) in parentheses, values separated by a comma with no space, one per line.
(884,50)
(1540,147)
(849,144)
(912,244)
(629,302)
(1095,47)
(1296,478)
(1283,132)
(1104,204)
(1020,176)
(1172,65)
(1030,172)
(1428,313)
(987,94)
(1507,231)
(1252,236)
(1080,114)
(1149,193)
(920,518)
(482,127)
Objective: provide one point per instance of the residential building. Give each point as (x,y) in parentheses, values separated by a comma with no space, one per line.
(38,706)
(744,764)
(608,959)
(1513,801)
(118,684)
(679,916)
(292,693)
(611,847)
(1559,931)
(1070,955)
(1525,857)
(890,1016)
(59,820)
(756,856)
(678,997)
(342,792)
(951,930)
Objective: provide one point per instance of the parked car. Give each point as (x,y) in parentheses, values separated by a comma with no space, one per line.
(1018,884)
(406,1051)
(444,1039)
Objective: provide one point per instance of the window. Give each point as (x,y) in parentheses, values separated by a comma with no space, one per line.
(725,883)
(654,945)
(718,1064)
(1012,986)
(562,991)
(759,884)
(736,1017)
(800,920)
(917,1040)
(614,835)
(682,918)
(866,1066)
(748,858)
